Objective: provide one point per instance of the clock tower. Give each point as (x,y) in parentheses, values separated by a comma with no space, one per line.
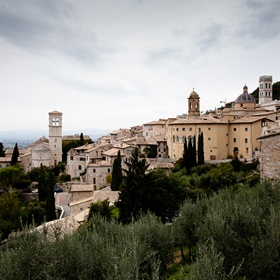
(55,137)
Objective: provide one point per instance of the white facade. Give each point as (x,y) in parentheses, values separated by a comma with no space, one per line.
(55,137)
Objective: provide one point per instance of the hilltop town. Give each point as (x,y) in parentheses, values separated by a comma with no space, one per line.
(235,131)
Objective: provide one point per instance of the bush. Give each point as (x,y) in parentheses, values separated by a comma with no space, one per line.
(65,177)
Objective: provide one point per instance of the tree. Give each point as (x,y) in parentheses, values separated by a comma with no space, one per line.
(9,214)
(143,192)
(200,152)
(132,196)
(15,155)
(50,200)
(193,152)
(82,141)
(117,173)
(2,151)
(10,176)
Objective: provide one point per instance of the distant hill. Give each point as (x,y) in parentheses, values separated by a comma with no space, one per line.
(26,137)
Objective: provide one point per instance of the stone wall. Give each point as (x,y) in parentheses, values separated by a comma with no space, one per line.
(270,156)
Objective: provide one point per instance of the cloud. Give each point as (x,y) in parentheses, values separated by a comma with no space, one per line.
(210,36)
(261,21)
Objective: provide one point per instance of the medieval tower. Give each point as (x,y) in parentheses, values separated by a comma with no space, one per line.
(55,137)
(194,106)
(265,89)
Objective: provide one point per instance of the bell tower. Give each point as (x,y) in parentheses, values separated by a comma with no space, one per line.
(265,89)
(194,105)
(55,137)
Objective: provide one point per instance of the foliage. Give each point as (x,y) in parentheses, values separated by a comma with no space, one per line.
(65,177)
(222,176)
(200,151)
(142,192)
(132,196)
(69,144)
(13,176)
(106,250)
(101,208)
(151,152)
(2,151)
(15,155)
(50,200)
(9,214)
(33,213)
(117,173)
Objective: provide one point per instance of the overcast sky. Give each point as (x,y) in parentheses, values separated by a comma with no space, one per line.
(118,63)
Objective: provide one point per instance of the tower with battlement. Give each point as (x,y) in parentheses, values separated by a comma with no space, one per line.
(265,89)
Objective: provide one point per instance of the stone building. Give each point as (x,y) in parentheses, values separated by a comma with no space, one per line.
(270,156)
(47,152)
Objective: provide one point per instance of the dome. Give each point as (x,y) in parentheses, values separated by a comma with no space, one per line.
(193,94)
(245,97)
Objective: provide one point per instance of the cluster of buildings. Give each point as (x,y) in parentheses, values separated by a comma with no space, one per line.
(247,129)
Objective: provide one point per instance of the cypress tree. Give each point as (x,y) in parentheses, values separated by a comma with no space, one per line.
(200,149)
(2,151)
(188,164)
(50,200)
(185,154)
(82,141)
(117,173)
(15,155)
(194,152)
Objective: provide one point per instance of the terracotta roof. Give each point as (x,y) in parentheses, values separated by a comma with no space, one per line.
(198,120)
(101,163)
(159,122)
(112,152)
(249,119)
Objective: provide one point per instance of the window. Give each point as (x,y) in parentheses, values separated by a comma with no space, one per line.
(247,150)
(246,140)
(177,129)
(184,139)
(82,159)
(209,128)
(80,167)
(234,129)
(209,139)
(94,170)
(173,138)
(94,180)
(234,140)
(190,129)
(246,128)
(71,157)
(177,138)
(109,170)
(227,134)
(199,130)
(183,129)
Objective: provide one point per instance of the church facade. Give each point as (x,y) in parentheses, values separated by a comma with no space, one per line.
(46,152)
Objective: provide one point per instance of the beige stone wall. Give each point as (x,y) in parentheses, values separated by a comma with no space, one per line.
(270,157)
(80,206)
(214,136)
(96,175)
(80,195)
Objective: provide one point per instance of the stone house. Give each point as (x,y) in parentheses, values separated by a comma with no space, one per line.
(97,173)
(154,128)
(270,156)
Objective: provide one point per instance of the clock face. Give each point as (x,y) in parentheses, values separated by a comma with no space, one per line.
(55,121)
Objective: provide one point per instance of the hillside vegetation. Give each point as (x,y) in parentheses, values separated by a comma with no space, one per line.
(228,227)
